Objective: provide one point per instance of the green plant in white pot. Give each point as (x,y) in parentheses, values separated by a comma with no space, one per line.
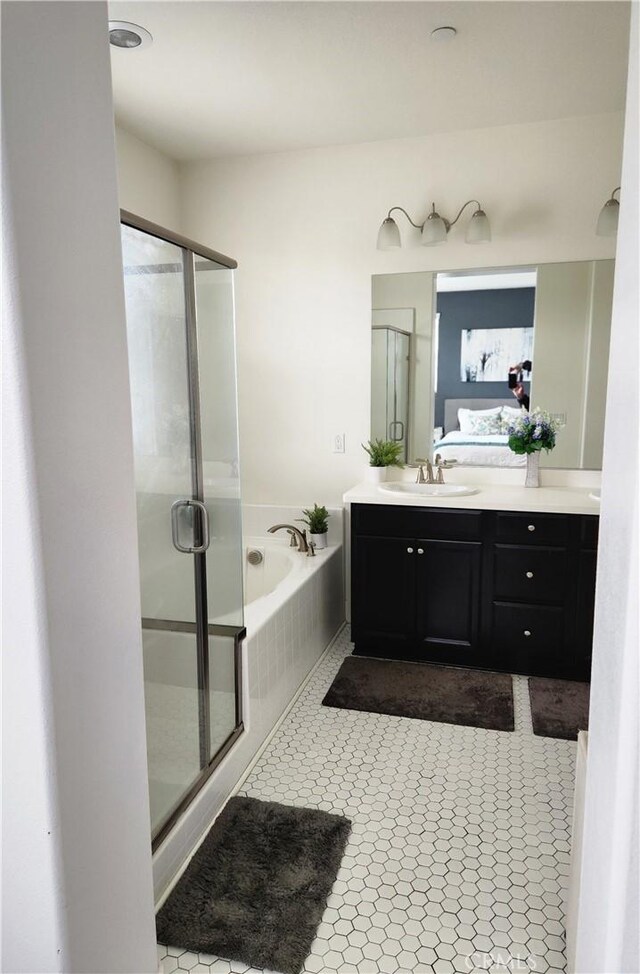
(382,454)
(317,520)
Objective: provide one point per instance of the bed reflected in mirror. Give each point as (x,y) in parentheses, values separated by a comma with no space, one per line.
(474,432)
(456,355)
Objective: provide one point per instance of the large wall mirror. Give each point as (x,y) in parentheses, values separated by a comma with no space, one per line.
(443,345)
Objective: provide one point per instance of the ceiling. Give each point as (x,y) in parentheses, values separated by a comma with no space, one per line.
(238,78)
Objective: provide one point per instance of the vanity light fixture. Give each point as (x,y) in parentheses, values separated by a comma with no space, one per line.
(435,228)
(607,225)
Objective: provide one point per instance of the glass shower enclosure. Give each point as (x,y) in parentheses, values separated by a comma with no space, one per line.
(181,345)
(390,360)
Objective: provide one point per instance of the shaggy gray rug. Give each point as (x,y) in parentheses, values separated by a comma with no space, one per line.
(559,708)
(257,887)
(448,694)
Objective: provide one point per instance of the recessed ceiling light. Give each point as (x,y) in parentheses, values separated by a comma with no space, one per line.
(128,36)
(443,34)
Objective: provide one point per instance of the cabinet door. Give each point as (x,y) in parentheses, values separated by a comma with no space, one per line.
(448,600)
(584,622)
(383,592)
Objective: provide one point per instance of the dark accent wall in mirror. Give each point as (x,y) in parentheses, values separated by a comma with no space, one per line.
(486,310)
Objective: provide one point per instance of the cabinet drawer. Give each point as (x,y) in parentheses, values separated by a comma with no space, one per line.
(547,529)
(380,520)
(522,632)
(530,574)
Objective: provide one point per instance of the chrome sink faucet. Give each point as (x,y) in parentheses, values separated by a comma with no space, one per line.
(423,478)
(442,465)
(301,536)
(431,477)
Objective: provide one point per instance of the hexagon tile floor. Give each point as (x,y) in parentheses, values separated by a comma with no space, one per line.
(459,852)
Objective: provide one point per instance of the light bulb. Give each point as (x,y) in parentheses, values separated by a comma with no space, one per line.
(478,230)
(388,235)
(434,230)
(607,225)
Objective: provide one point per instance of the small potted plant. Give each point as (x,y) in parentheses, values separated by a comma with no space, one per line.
(382,454)
(317,520)
(530,434)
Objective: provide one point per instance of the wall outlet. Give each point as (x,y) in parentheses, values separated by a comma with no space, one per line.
(338,443)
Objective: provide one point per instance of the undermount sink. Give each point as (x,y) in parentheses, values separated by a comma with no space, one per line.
(429,490)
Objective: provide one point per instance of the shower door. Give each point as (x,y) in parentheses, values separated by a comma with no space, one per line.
(390,361)
(181,342)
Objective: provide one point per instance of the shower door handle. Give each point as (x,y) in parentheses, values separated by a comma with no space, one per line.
(392,426)
(175,531)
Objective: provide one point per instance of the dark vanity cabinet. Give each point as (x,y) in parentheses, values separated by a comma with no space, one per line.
(501,590)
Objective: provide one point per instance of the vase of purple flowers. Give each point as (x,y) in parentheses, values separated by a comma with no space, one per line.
(530,434)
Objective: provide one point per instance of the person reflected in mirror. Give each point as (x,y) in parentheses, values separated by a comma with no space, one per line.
(516,384)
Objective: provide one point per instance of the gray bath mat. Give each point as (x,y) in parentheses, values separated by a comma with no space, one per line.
(559,708)
(257,887)
(450,695)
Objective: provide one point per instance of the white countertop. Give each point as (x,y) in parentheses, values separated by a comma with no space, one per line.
(490,497)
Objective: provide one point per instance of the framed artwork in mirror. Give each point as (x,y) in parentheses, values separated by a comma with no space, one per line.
(487,354)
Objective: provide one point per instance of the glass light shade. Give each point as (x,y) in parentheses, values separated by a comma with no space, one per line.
(478,230)
(607,225)
(434,230)
(388,235)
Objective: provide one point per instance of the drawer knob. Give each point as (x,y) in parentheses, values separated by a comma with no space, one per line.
(527,632)
(410,551)
(421,551)
(529,574)
(531,527)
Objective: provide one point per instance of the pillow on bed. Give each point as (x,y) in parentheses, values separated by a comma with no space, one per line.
(509,415)
(480,422)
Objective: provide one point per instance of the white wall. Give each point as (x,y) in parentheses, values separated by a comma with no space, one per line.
(148,181)
(77,883)
(608,930)
(303,227)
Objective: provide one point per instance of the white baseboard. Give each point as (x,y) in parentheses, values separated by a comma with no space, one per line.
(573,891)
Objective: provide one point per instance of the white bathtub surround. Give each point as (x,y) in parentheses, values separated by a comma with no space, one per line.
(297,607)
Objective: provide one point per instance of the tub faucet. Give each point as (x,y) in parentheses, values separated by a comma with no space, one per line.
(300,535)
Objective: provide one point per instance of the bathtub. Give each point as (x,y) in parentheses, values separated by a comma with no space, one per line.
(294,606)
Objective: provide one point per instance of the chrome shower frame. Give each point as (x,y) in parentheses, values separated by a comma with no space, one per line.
(201,628)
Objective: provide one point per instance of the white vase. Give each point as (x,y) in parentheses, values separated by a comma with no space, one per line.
(319,540)
(532,478)
(376,475)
